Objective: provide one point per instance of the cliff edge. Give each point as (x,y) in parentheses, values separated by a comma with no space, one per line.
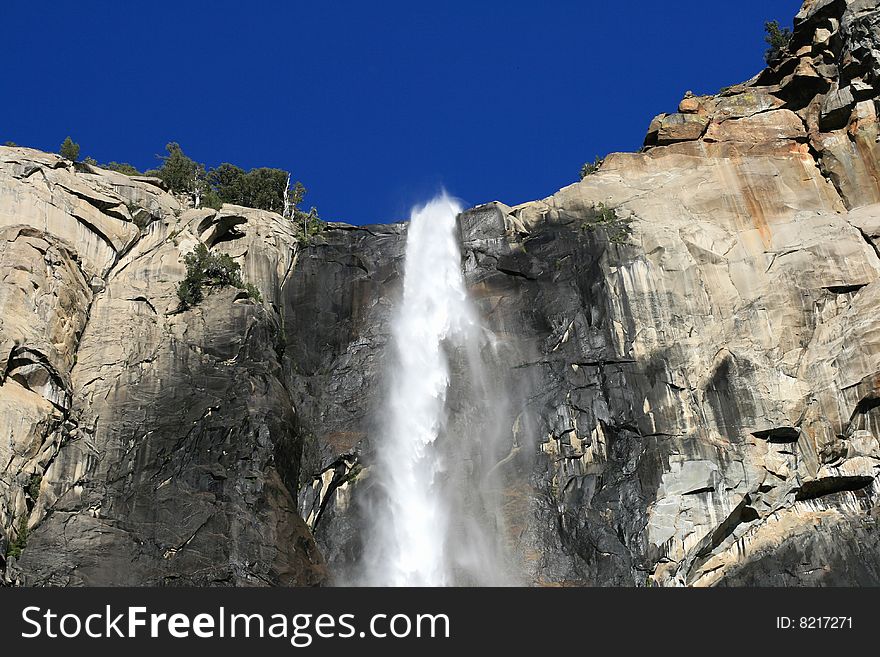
(688,347)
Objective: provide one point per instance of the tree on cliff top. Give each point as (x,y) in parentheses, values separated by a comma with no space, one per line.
(590,168)
(69,149)
(262,188)
(228,181)
(267,187)
(778,39)
(182,174)
(122,167)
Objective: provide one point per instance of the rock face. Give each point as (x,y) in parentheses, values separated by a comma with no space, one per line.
(143,444)
(694,378)
(338,311)
(687,341)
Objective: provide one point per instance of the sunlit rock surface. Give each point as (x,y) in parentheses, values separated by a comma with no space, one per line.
(688,342)
(142,443)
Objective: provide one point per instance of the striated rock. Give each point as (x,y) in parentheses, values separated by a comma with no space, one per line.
(145,444)
(694,389)
(45,299)
(685,347)
(836,108)
(867,220)
(761,128)
(338,308)
(748,102)
(851,157)
(693,354)
(37,191)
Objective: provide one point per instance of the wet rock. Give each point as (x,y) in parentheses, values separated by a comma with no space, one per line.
(685,354)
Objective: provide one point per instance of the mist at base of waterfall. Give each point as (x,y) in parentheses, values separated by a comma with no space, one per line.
(433,517)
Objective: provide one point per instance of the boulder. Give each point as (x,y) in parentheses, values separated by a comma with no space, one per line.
(671,128)
(762,128)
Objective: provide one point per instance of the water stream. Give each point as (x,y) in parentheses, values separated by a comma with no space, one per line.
(437,522)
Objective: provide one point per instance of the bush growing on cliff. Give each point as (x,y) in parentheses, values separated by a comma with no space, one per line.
(122,167)
(33,487)
(266,188)
(591,167)
(18,545)
(617,229)
(69,149)
(204,268)
(778,39)
(308,225)
(211,199)
(182,174)
(227,181)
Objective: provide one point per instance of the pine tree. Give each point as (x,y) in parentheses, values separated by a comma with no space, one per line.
(182,174)
(69,149)
(778,39)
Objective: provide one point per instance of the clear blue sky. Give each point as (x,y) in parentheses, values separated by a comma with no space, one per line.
(373,105)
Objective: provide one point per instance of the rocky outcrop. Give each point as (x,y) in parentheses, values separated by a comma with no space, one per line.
(693,376)
(717,370)
(686,343)
(337,327)
(143,443)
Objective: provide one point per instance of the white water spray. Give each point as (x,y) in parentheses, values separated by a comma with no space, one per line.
(424,530)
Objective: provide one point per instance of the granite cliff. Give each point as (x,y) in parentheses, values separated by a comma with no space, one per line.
(688,347)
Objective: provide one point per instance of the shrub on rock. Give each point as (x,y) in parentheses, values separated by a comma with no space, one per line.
(204,268)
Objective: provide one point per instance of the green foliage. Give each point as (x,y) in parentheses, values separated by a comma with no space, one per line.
(92,162)
(228,181)
(182,174)
(308,225)
(33,486)
(122,167)
(10,143)
(266,188)
(211,199)
(253,291)
(591,167)
(18,545)
(261,188)
(206,269)
(297,194)
(617,229)
(69,149)
(778,39)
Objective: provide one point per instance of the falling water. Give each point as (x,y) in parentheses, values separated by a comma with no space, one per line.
(433,526)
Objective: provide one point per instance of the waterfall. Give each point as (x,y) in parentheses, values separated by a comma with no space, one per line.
(435,522)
